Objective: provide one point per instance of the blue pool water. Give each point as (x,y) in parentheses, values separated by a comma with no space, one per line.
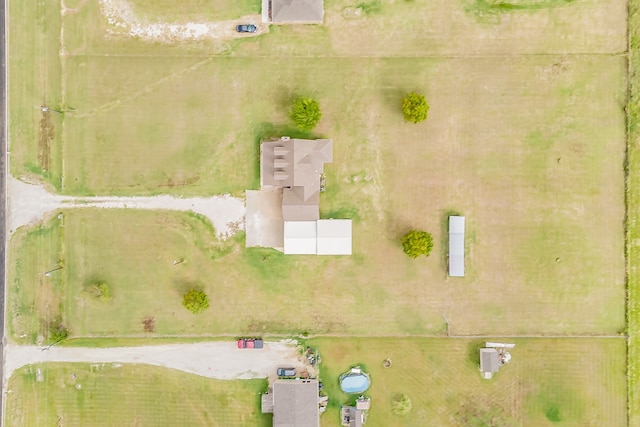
(354,383)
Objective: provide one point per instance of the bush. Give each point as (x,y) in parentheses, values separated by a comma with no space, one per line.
(305,113)
(415,107)
(195,301)
(100,291)
(416,243)
(57,332)
(401,404)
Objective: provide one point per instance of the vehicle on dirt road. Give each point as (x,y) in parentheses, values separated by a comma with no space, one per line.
(250,343)
(246,28)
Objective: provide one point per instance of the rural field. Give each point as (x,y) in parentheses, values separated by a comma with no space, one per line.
(529,147)
(568,382)
(526,137)
(79,394)
(549,382)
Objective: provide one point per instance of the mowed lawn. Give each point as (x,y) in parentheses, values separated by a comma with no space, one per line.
(549,382)
(117,395)
(252,291)
(530,148)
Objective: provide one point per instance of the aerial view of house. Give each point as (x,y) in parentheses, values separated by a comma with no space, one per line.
(319,213)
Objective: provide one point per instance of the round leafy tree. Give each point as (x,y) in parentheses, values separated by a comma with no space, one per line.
(416,243)
(305,113)
(195,301)
(401,404)
(415,107)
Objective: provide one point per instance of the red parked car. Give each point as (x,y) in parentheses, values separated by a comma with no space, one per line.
(250,343)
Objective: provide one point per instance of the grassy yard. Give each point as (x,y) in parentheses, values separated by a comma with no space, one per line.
(133,252)
(112,395)
(633,216)
(35,75)
(525,137)
(193,10)
(568,382)
(528,147)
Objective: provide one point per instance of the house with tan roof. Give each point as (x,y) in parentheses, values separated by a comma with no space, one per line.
(285,212)
(293,11)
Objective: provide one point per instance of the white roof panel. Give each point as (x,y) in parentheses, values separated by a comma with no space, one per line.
(300,237)
(334,237)
(456,224)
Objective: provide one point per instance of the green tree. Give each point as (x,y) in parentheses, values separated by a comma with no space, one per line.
(416,243)
(401,404)
(305,113)
(195,301)
(415,107)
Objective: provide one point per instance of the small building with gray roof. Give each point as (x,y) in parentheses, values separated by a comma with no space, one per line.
(489,362)
(294,403)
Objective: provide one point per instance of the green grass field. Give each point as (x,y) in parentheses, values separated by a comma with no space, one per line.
(193,10)
(550,382)
(117,395)
(633,216)
(337,295)
(526,137)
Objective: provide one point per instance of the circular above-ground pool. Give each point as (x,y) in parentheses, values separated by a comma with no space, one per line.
(354,382)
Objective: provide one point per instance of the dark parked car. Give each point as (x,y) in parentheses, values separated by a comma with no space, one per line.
(246,28)
(250,343)
(286,372)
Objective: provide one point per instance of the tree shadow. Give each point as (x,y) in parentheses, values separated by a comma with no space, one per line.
(182,287)
(393,97)
(473,352)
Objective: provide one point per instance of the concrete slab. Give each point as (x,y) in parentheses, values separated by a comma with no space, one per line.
(264,223)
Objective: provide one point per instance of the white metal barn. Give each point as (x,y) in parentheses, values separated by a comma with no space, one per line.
(456,246)
(321,237)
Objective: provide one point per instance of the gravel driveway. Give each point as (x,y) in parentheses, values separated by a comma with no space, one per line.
(29,203)
(221,360)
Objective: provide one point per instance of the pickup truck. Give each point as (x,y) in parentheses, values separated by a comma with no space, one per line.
(250,343)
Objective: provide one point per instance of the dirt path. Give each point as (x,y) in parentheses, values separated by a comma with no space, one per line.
(221,360)
(30,203)
(123,21)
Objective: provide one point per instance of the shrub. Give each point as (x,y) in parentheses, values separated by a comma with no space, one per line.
(401,404)
(305,113)
(415,107)
(195,301)
(416,243)
(57,331)
(100,291)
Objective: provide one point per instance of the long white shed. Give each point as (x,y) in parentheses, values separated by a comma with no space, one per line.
(456,246)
